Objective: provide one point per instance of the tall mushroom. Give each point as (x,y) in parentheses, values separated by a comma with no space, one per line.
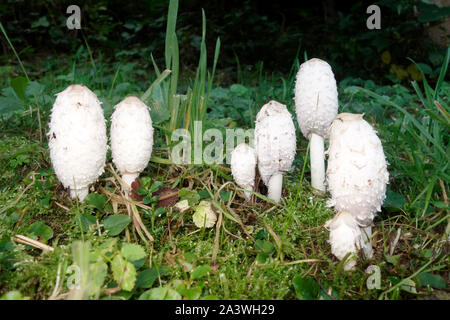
(131,137)
(275,145)
(357,176)
(77,139)
(243,165)
(316,105)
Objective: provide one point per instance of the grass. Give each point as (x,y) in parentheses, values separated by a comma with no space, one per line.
(258,250)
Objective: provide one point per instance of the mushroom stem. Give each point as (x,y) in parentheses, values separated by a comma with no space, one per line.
(80,193)
(317,157)
(128,178)
(366,241)
(275,184)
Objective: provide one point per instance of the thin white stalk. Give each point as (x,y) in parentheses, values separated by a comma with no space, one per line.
(275,184)
(80,193)
(128,178)
(317,158)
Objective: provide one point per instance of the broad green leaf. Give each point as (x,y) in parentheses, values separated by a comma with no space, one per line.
(41,229)
(116,224)
(97,275)
(85,220)
(172,295)
(394,199)
(225,195)
(433,280)
(306,288)
(123,272)
(191,293)
(191,196)
(11,295)
(146,278)
(97,200)
(9,105)
(392,259)
(132,252)
(157,293)
(200,271)
(19,84)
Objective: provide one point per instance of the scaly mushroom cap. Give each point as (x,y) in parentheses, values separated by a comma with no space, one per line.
(131,136)
(243,165)
(357,173)
(345,237)
(77,138)
(316,97)
(274,140)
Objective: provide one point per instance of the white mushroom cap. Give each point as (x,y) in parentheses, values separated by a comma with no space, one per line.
(243,165)
(275,140)
(131,137)
(316,97)
(345,237)
(357,173)
(77,139)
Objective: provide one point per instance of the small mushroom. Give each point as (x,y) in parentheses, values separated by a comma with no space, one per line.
(77,139)
(316,103)
(275,145)
(357,175)
(243,165)
(131,137)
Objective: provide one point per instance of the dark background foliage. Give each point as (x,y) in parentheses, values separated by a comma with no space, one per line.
(250,31)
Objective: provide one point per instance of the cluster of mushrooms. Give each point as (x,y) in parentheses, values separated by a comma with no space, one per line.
(356,175)
(78,141)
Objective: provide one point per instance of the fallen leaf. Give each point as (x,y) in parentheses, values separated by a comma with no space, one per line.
(166,196)
(135,185)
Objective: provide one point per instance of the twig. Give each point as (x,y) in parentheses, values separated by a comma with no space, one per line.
(30,242)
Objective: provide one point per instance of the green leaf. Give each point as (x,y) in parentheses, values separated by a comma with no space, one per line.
(394,199)
(141,191)
(132,252)
(261,258)
(19,84)
(116,224)
(41,22)
(123,272)
(96,200)
(157,293)
(155,186)
(9,105)
(264,246)
(192,293)
(225,195)
(97,275)
(146,278)
(306,288)
(11,295)
(191,196)
(172,295)
(85,220)
(393,259)
(433,280)
(204,194)
(41,229)
(45,202)
(238,89)
(200,271)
